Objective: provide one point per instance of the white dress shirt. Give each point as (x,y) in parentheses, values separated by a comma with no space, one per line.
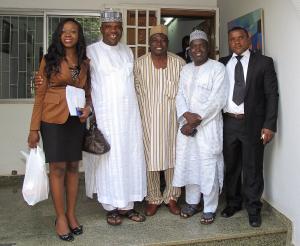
(231,107)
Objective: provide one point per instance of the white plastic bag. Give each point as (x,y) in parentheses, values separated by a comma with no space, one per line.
(36,183)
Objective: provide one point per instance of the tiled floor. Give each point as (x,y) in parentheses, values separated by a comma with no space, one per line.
(25,225)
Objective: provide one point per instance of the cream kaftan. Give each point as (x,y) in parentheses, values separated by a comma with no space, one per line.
(156,91)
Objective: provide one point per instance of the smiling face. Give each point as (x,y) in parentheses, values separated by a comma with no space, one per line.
(112,32)
(199,51)
(69,34)
(159,44)
(239,41)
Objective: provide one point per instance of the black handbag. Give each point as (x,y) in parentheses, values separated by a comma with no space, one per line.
(94,142)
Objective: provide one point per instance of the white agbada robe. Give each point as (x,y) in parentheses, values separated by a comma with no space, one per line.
(199,159)
(119,176)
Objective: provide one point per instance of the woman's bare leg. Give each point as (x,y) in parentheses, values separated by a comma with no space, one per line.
(72,180)
(57,177)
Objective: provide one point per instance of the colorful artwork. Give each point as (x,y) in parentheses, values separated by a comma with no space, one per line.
(253,22)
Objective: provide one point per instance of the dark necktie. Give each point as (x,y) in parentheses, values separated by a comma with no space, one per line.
(239,84)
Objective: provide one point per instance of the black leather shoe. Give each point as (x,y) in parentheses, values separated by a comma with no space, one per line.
(77,230)
(255,220)
(229,211)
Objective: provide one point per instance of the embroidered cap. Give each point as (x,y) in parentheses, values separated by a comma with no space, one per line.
(197,34)
(110,15)
(159,29)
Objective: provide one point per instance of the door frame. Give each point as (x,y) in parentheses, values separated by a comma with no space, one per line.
(123,7)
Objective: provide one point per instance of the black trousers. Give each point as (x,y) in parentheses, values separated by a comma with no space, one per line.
(243,167)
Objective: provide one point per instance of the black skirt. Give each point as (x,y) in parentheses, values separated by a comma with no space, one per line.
(63,142)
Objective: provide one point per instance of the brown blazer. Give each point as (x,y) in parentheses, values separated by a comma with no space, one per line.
(50,104)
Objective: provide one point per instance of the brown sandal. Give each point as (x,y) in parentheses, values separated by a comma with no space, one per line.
(113,218)
(133,215)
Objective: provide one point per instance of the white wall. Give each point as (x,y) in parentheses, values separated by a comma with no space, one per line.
(14,128)
(177,30)
(282,38)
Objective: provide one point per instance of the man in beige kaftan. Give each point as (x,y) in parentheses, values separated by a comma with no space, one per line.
(156,82)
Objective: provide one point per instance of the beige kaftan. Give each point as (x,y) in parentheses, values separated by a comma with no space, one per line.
(156,91)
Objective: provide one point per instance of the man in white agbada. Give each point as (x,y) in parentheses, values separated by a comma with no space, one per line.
(199,160)
(119,176)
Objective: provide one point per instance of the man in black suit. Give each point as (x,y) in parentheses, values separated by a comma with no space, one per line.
(250,118)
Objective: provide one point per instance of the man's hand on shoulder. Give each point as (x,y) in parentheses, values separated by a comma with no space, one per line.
(38,80)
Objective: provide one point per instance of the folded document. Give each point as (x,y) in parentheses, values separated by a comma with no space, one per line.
(75,99)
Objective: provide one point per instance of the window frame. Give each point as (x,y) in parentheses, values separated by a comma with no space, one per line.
(45,15)
(19,13)
(147,27)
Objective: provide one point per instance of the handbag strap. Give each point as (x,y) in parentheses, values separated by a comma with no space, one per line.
(93,121)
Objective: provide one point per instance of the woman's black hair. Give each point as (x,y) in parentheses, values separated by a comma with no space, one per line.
(56,50)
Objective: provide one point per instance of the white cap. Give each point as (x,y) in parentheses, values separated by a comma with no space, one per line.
(110,15)
(197,34)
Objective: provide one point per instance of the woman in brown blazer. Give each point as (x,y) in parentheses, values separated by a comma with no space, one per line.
(64,64)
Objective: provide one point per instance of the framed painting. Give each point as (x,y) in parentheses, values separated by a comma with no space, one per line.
(253,23)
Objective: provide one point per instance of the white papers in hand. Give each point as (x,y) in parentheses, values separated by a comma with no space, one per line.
(75,99)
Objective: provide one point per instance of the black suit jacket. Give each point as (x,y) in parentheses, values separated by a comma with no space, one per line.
(261,97)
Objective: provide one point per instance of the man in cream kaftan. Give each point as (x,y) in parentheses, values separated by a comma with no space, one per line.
(199,159)
(119,176)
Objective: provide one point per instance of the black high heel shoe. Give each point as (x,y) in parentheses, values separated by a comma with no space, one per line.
(66,237)
(77,230)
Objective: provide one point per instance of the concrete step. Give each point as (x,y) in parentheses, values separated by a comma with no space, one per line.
(24,225)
